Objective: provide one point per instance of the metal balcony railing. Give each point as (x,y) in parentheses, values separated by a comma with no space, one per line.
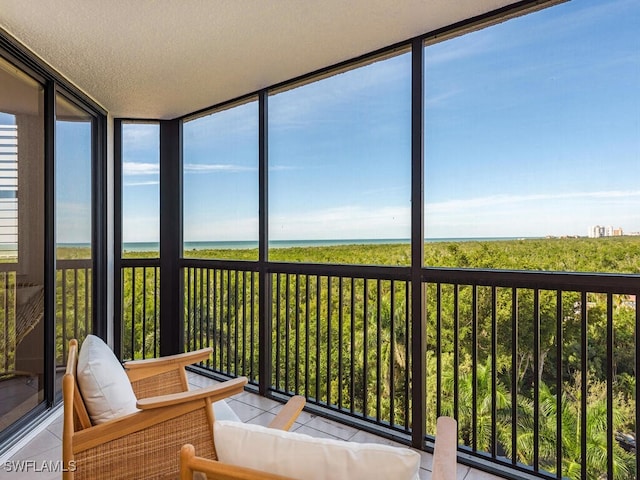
(538,368)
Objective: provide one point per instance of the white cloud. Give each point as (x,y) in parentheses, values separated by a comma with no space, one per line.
(140,168)
(569,213)
(141,184)
(495,200)
(348,222)
(216,167)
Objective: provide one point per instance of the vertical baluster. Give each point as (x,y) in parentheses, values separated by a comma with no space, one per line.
(378,348)
(637,384)
(144,312)
(456,349)
(329,359)
(474,367)
(216,318)
(75,303)
(88,326)
(584,364)
(297,335)
(208,317)
(536,380)
(187,336)
(228,320)
(252,374)
(392,356)
(340,341)
(494,372)
(352,387)
(133,310)
(514,375)
(318,297)
(156,291)
(438,349)
(202,309)
(610,338)
(5,318)
(307,386)
(278,345)
(287,320)
(365,356)
(236,321)
(559,386)
(244,322)
(407,352)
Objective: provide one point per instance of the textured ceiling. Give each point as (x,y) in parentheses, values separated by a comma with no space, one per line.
(166,58)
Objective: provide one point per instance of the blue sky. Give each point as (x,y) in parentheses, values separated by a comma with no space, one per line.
(532,128)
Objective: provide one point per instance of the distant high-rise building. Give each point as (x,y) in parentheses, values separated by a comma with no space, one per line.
(597,231)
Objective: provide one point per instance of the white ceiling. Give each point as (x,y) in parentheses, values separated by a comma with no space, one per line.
(166,58)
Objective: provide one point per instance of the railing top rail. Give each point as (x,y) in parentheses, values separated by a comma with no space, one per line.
(353,271)
(72,264)
(241,265)
(8,267)
(334,270)
(568,281)
(139,262)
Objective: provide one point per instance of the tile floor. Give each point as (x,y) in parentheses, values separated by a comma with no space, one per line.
(45,449)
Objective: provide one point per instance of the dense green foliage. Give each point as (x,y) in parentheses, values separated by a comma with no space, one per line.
(607,255)
(346,342)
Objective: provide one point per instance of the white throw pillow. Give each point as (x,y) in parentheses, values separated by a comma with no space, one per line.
(103,383)
(301,456)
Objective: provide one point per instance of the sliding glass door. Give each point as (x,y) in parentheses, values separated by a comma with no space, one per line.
(22,244)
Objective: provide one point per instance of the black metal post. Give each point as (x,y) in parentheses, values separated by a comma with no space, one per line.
(50,243)
(418,334)
(99,230)
(117,238)
(264,353)
(171,279)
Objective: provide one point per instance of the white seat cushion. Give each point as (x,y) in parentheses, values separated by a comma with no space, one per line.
(103,383)
(301,456)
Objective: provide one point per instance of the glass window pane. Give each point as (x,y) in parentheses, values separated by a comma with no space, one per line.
(140,189)
(220,189)
(21,244)
(73,181)
(531,137)
(340,167)
(74,226)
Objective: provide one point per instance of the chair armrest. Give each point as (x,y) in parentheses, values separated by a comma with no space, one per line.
(214,393)
(186,358)
(141,369)
(288,414)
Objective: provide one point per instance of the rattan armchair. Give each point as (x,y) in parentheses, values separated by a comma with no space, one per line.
(146,444)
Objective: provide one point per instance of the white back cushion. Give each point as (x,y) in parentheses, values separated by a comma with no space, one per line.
(103,383)
(301,456)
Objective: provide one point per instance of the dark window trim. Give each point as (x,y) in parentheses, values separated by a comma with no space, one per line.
(53,83)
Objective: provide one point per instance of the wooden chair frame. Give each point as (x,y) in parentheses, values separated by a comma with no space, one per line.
(146,444)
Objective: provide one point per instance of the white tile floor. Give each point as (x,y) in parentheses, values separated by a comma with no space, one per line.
(46,447)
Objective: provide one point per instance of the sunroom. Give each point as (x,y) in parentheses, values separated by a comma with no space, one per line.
(396,210)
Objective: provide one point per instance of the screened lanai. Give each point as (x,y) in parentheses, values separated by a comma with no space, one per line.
(396,211)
